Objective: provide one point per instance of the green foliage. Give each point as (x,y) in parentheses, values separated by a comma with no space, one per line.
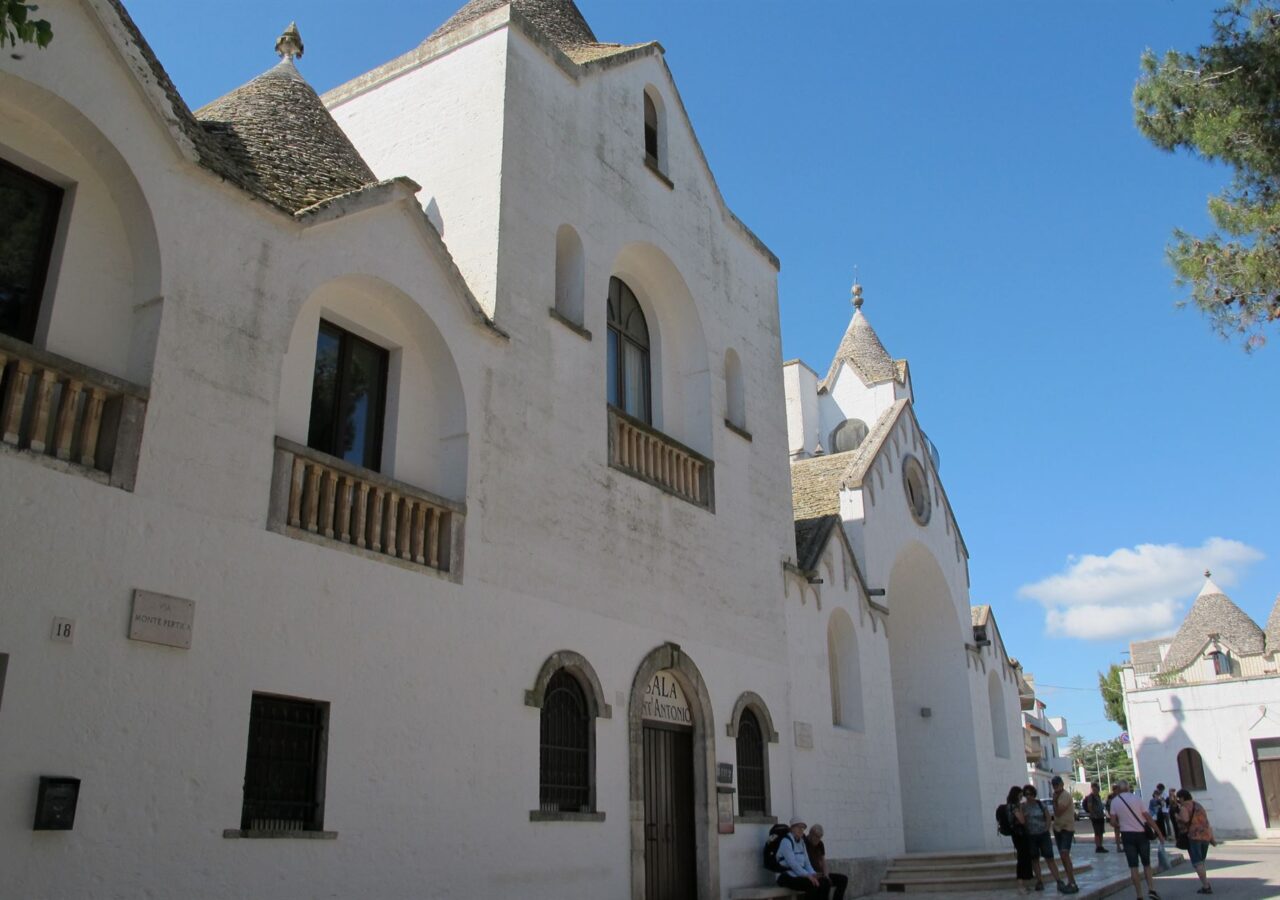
(16,24)
(1110,759)
(1222,103)
(1112,690)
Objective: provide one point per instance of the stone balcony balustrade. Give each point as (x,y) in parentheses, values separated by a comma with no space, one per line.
(68,415)
(321,498)
(643,452)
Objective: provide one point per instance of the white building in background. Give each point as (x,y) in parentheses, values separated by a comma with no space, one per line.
(1042,735)
(1203,707)
(409,470)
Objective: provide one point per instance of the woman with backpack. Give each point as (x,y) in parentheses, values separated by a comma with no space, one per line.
(1038,821)
(1198,834)
(1011,825)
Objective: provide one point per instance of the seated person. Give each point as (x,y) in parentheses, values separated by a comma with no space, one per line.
(818,859)
(798,873)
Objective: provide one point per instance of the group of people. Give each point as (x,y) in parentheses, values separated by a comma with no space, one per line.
(1136,824)
(802,858)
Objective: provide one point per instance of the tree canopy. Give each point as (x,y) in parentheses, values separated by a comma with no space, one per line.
(1222,104)
(17,24)
(1112,690)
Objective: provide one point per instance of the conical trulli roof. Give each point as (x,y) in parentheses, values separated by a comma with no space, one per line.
(1273,628)
(1213,613)
(861,350)
(560,20)
(290,150)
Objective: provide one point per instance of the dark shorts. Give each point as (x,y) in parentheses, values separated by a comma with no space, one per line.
(1137,848)
(1197,850)
(1063,839)
(1099,827)
(1040,845)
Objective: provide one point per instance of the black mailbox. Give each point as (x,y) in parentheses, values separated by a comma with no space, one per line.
(56,803)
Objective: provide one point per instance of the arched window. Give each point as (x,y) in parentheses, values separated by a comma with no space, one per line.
(735,399)
(1221,662)
(1191,770)
(650,129)
(564,776)
(846,676)
(570,274)
(753,791)
(848,435)
(999,721)
(628,353)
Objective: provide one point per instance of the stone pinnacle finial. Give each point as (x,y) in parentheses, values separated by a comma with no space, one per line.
(856,293)
(1208,574)
(289,44)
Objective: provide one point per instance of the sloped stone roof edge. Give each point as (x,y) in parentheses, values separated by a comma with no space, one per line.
(824,527)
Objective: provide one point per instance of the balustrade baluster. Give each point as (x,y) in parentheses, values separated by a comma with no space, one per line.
(330,494)
(393,505)
(698,469)
(402,529)
(311,497)
(295,491)
(92,422)
(64,430)
(362,511)
(15,402)
(419,531)
(433,538)
(344,509)
(375,521)
(40,417)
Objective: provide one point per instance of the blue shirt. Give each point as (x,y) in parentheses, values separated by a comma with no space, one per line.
(794,857)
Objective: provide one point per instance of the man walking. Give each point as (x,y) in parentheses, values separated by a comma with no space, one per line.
(1130,817)
(1064,829)
(818,858)
(798,873)
(1095,810)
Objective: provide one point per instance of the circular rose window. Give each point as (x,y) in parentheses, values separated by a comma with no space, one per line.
(916,487)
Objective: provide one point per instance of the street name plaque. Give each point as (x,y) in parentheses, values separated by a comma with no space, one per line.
(161,619)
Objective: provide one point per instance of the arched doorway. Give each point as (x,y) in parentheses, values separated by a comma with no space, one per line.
(937,751)
(674,844)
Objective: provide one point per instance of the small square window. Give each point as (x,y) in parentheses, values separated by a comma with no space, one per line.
(284,766)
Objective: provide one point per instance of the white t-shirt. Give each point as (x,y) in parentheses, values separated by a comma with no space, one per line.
(1130,816)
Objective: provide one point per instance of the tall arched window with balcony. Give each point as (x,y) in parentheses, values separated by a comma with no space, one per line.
(629,387)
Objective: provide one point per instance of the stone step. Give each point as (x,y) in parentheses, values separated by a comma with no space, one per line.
(955,856)
(999,869)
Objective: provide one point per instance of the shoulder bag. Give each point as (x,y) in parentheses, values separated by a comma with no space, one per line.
(1147,830)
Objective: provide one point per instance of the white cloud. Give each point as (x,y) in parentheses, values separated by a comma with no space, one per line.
(1133,591)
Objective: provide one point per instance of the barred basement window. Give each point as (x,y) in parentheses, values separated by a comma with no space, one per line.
(565,765)
(1191,770)
(284,769)
(753,799)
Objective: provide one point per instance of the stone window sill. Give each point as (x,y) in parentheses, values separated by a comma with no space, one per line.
(652,166)
(540,815)
(278,835)
(755,820)
(570,324)
(738,430)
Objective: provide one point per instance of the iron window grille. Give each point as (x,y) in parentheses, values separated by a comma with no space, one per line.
(283,773)
(752,795)
(565,764)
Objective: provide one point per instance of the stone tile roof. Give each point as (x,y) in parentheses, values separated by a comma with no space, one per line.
(287,147)
(559,21)
(812,535)
(1145,655)
(1213,613)
(862,351)
(1272,630)
(980,614)
(815,485)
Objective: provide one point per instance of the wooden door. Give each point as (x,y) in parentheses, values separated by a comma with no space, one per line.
(669,857)
(1269,782)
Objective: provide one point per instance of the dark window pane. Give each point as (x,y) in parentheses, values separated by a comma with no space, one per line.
(752,798)
(614,396)
(324,389)
(565,757)
(28,217)
(348,397)
(282,766)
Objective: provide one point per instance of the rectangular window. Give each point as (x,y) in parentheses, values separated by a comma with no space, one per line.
(29,208)
(284,767)
(348,397)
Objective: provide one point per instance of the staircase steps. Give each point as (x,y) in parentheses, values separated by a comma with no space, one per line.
(965,871)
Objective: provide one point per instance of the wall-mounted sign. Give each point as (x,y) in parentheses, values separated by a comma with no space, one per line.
(64,630)
(804,736)
(724,773)
(161,619)
(664,700)
(724,811)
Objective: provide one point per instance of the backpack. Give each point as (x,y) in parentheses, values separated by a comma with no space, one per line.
(771,845)
(1002,820)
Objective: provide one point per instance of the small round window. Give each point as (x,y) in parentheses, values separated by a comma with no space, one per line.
(916,487)
(848,435)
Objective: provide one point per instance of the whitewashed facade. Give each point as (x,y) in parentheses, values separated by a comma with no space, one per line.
(174,552)
(1203,709)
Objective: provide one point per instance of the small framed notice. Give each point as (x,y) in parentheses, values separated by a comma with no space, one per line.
(724,810)
(161,619)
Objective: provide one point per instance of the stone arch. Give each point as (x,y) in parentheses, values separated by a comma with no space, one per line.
(570,274)
(679,368)
(425,431)
(844,669)
(999,722)
(735,399)
(576,665)
(754,702)
(655,118)
(669,656)
(102,300)
(933,708)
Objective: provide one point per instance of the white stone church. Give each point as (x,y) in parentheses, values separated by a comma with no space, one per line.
(403,495)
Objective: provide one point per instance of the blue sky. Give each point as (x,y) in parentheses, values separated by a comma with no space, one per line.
(978,162)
